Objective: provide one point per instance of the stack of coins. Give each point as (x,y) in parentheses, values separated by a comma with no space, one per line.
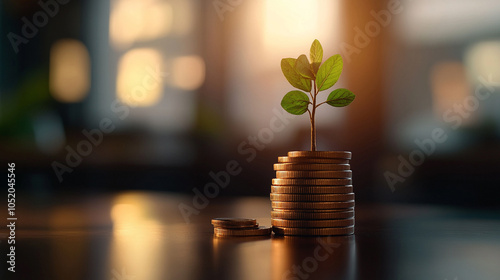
(312,194)
(238,227)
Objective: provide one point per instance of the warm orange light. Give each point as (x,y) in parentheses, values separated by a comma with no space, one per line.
(292,24)
(69,77)
(123,213)
(67,217)
(139,82)
(137,236)
(158,21)
(188,72)
(139,20)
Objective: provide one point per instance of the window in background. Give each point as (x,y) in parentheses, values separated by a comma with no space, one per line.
(148,69)
(448,46)
(263,32)
(143,63)
(483,63)
(441,22)
(155,43)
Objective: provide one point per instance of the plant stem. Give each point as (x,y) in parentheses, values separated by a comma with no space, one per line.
(313,122)
(321,103)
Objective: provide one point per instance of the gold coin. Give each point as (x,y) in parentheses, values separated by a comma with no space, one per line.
(347,205)
(314,174)
(242,232)
(311,215)
(310,167)
(312,197)
(238,227)
(312,189)
(316,210)
(234,222)
(221,238)
(321,154)
(312,182)
(312,160)
(314,231)
(312,223)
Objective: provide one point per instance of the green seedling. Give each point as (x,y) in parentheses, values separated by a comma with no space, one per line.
(312,78)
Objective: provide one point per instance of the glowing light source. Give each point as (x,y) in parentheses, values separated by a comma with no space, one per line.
(69,77)
(482,60)
(188,72)
(138,82)
(289,24)
(124,213)
(139,20)
(265,32)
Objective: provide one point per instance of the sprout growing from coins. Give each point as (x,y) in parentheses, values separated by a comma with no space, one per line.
(312,78)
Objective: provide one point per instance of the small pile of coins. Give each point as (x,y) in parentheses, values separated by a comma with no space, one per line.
(312,194)
(238,227)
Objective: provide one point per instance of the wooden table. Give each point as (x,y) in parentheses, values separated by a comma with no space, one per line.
(143,236)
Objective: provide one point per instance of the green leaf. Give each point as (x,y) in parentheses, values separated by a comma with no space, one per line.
(340,97)
(316,55)
(293,76)
(295,102)
(303,67)
(329,72)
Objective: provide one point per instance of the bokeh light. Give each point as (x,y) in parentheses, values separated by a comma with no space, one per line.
(188,72)
(69,71)
(138,82)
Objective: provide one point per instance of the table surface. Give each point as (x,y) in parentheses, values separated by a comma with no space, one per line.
(143,235)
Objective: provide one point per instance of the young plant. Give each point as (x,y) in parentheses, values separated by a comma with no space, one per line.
(312,78)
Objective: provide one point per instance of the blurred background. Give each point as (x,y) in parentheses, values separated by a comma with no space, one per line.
(103,96)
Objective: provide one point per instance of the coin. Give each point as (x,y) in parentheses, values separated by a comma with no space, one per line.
(311,215)
(316,210)
(314,231)
(234,222)
(312,197)
(312,223)
(242,232)
(314,174)
(312,160)
(312,205)
(312,189)
(239,227)
(221,238)
(312,194)
(311,167)
(312,182)
(321,154)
